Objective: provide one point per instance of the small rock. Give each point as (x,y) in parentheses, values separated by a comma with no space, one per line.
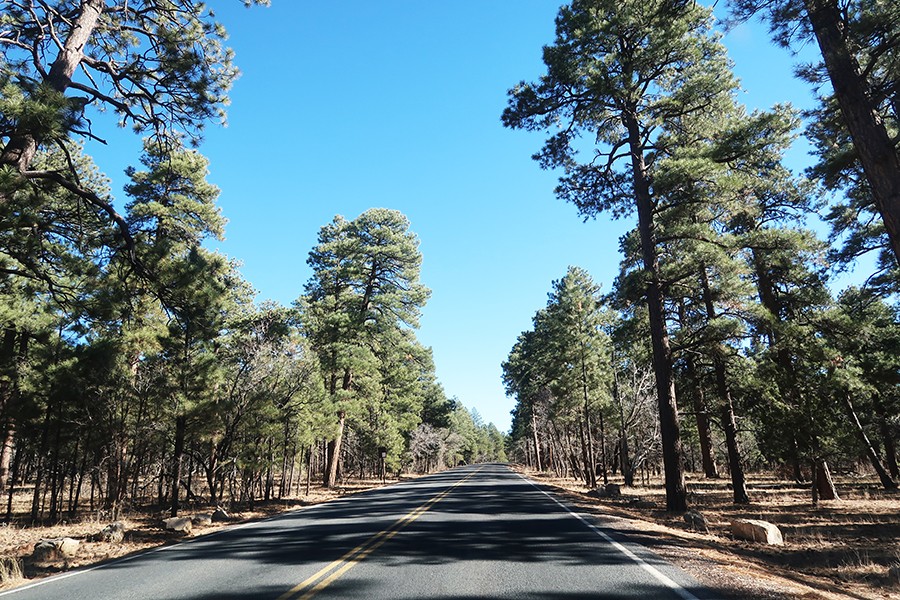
(696,521)
(220,515)
(754,530)
(201,520)
(114,532)
(179,524)
(642,504)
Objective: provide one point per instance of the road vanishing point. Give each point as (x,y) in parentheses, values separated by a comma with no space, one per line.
(479,531)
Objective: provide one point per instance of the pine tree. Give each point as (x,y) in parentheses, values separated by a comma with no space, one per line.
(619,72)
(365,286)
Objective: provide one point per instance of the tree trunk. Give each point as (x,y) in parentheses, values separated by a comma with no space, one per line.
(673,453)
(887,438)
(180,427)
(738,481)
(537,445)
(823,484)
(624,452)
(12,485)
(886,481)
(211,474)
(334,453)
(308,468)
(877,151)
(39,476)
(704,431)
(590,473)
(22,145)
(8,398)
(592,465)
(270,477)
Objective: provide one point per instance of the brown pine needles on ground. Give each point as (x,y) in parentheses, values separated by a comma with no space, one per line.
(840,549)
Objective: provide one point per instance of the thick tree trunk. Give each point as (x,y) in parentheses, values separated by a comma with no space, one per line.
(308,468)
(17,461)
(334,453)
(587,422)
(738,481)
(41,467)
(590,473)
(823,484)
(211,474)
(22,146)
(704,431)
(9,394)
(886,481)
(624,452)
(673,454)
(537,446)
(180,429)
(877,151)
(887,438)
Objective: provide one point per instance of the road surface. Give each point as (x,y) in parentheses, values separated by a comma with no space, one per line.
(480,531)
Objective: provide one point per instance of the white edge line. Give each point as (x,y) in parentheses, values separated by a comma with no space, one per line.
(182,543)
(656,573)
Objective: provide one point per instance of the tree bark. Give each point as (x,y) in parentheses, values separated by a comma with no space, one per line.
(590,473)
(537,446)
(704,431)
(624,452)
(886,481)
(738,481)
(334,453)
(673,453)
(877,152)
(22,146)
(180,428)
(887,438)
(823,484)
(308,468)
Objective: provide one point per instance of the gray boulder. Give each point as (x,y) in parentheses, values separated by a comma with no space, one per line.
(201,520)
(696,521)
(114,532)
(220,516)
(55,549)
(613,490)
(178,524)
(754,530)
(610,490)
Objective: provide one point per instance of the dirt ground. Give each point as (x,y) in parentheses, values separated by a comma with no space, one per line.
(841,549)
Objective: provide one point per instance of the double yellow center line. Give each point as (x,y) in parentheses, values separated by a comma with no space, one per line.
(328,574)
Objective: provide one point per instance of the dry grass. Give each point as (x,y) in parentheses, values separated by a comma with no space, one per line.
(841,548)
(143,531)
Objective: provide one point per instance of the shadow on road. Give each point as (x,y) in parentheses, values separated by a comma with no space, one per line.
(501,519)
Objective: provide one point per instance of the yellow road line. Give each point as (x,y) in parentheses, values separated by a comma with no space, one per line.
(349,560)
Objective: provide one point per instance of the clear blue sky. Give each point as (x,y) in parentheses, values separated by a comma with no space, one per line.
(343,106)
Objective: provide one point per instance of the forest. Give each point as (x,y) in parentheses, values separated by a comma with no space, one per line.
(137,370)
(724,345)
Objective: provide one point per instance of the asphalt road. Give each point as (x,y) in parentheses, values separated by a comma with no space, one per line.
(475,532)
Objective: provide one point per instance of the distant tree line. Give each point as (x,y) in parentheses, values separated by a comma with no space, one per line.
(720,346)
